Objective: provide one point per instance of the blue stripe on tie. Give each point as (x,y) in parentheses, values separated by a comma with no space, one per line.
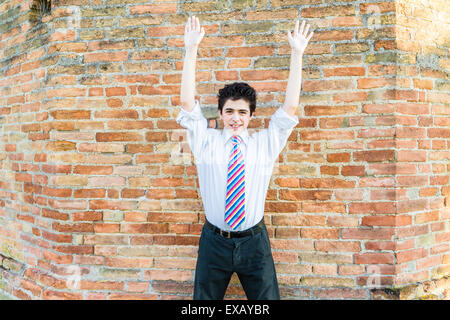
(236,203)
(230,174)
(232,199)
(238,225)
(231,196)
(232,180)
(238,213)
(235,162)
(236,178)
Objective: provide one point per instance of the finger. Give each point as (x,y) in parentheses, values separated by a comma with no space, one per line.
(289,36)
(193,23)
(197,23)
(302,27)
(310,36)
(296,28)
(306,30)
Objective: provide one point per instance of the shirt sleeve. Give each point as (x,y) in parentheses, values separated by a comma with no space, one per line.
(196,125)
(280,127)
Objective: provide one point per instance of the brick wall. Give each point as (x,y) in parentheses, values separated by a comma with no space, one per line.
(99,195)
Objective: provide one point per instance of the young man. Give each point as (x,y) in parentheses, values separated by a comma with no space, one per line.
(234,171)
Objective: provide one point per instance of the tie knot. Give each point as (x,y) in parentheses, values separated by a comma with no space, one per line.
(237,140)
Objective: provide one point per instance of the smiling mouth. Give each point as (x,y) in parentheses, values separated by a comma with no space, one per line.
(235,126)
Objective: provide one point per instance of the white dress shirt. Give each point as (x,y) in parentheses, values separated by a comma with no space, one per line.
(211,149)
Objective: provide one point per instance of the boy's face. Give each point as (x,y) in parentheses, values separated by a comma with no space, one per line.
(236,115)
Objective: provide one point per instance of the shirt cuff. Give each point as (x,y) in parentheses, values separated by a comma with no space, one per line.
(283,120)
(194,114)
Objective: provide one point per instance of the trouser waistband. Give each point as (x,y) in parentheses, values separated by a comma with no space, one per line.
(237,234)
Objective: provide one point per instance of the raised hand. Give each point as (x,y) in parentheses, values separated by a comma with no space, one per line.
(301,38)
(192,33)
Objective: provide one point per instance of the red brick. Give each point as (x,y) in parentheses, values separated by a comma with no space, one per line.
(386,220)
(374,207)
(60,295)
(374,155)
(337,246)
(316,233)
(408,255)
(374,258)
(338,293)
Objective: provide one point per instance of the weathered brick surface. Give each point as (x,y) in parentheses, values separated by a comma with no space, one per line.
(99,197)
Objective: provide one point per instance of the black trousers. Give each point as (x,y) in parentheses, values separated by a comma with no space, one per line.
(250,257)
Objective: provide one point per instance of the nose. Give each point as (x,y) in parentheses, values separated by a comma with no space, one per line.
(235,116)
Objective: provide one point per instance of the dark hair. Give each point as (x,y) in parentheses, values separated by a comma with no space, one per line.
(236,91)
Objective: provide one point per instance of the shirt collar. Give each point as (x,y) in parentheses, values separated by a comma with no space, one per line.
(227,134)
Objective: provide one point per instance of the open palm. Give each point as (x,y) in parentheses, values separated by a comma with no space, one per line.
(192,33)
(301,38)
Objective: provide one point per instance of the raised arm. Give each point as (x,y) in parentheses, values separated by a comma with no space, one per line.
(298,44)
(192,37)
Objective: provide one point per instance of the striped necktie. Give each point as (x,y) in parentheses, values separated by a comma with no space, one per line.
(235,200)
